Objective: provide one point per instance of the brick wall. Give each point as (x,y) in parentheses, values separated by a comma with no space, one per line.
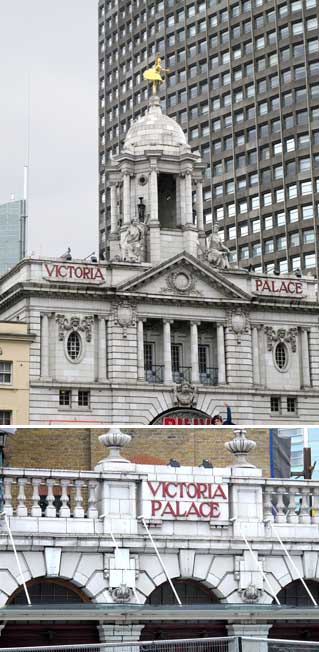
(79,448)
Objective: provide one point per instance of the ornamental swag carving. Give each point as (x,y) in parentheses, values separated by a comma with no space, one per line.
(76,324)
(287,335)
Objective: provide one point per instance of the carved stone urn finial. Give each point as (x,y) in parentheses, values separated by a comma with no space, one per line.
(115,439)
(240,446)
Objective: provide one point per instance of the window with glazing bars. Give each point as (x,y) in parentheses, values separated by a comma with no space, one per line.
(5,372)
(176,356)
(148,356)
(202,358)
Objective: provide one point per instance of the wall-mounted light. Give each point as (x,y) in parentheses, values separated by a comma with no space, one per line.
(141,210)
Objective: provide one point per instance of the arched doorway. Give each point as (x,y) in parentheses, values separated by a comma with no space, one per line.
(48,591)
(295,595)
(190,592)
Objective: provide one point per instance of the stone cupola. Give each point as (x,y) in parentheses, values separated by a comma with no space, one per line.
(157,170)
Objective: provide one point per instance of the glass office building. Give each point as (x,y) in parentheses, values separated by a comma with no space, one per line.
(244,85)
(12,234)
(303,438)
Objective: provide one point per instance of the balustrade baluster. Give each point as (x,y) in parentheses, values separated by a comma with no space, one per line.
(36,509)
(292,516)
(304,514)
(50,510)
(78,499)
(65,509)
(315,506)
(92,511)
(7,496)
(22,508)
(268,506)
(281,515)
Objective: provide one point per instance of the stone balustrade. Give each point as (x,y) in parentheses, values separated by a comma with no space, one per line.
(291,501)
(33,494)
(50,493)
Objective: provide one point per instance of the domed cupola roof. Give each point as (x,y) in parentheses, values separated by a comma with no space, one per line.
(155,129)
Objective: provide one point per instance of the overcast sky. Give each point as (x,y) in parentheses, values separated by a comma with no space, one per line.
(55,42)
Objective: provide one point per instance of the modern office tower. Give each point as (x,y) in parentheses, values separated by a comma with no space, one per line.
(12,234)
(302,438)
(244,85)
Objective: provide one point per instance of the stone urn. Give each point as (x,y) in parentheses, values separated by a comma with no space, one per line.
(114,440)
(240,446)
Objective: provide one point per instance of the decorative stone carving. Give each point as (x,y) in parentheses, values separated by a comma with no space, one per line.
(124,315)
(180,281)
(75,324)
(237,322)
(122,593)
(251,594)
(185,395)
(240,446)
(115,439)
(289,336)
(132,242)
(217,254)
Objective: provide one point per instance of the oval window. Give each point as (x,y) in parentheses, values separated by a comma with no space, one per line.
(281,356)
(74,346)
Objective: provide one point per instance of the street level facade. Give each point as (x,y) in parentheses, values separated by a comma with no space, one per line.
(243,85)
(170,329)
(88,538)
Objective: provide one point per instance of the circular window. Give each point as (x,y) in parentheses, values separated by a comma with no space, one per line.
(281,356)
(74,346)
(142,180)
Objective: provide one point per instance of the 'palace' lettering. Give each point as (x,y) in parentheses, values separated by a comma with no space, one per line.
(276,286)
(186,499)
(65,272)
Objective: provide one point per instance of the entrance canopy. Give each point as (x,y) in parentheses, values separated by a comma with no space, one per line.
(132,613)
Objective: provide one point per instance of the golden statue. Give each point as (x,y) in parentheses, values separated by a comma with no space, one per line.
(154,74)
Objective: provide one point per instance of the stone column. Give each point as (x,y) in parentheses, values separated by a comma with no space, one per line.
(199,205)
(120,634)
(126,197)
(246,631)
(168,377)
(44,346)
(140,350)
(194,352)
(114,212)
(221,354)
(256,355)
(182,198)
(102,352)
(306,382)
(188,198)
(153,194)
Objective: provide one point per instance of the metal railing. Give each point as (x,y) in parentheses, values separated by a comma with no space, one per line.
(155,374)
(182,374)
(282,645)
(209,377)
(222,644)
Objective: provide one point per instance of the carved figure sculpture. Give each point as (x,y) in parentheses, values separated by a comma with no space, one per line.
(132,244)
(217,252)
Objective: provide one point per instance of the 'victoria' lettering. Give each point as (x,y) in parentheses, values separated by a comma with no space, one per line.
(79,272)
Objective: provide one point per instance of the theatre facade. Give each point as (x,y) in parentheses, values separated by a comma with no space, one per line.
(169,330)
(130,552)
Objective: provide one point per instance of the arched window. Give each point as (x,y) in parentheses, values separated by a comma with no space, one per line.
(295,594)
(189,592)
(281,356)
(74,346)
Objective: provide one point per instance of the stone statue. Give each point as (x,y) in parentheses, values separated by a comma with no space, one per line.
(132,244)
(185,394)
(154,74)
(217,254)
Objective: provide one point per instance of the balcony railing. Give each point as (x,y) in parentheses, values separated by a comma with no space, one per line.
(183,374)
(155,374)
(289,502)
(209,377)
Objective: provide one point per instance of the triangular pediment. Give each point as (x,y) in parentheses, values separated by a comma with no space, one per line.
(185,277)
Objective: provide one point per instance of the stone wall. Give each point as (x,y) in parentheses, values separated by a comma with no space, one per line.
(79,448)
